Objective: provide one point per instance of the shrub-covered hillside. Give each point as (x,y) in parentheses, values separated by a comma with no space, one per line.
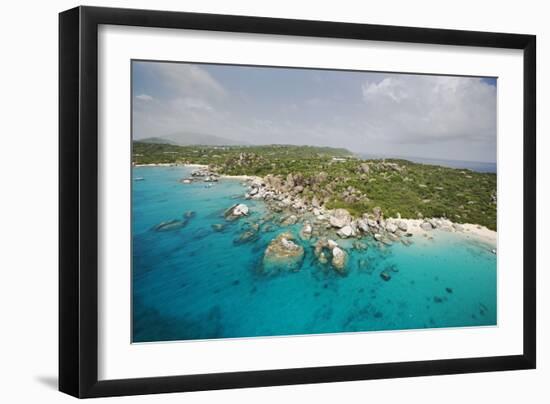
(338,179)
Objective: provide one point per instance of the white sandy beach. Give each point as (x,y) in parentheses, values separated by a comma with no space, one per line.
(155,165)
(469,230)
(482,233)
(235,177)
(242,177)
(239,177)
(171,165)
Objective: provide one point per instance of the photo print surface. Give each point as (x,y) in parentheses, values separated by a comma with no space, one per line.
(273,201)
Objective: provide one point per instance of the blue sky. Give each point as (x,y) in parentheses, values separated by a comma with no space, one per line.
(440,117)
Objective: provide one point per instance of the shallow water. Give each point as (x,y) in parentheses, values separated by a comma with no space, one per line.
(197,283)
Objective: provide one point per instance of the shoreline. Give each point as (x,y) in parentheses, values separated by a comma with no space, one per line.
(239,177)
(469,230)
(236,177)
(482,233)
(154,165)
(170,165)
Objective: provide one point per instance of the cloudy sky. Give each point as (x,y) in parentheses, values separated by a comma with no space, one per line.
(426,116)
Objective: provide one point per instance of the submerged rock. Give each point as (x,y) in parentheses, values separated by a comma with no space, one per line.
(275,207)
(328,250)
(253,226)
(406,242)
(383,239)
(385,275)
(268,228)
(360,246)
(283,254)
(323,258)
(393,268)
(189,214)
(319,246)
(289,220)
(218,227)
(170,225)
(246,236)
(200,233)
(392,237)
(362,264)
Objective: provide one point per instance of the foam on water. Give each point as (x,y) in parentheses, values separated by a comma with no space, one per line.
(197,283)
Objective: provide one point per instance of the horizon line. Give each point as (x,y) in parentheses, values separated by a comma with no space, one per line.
(375,155)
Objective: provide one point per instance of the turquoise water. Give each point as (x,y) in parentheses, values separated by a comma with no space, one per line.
(197,283)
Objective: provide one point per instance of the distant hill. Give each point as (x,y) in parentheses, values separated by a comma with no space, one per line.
(156,140)
(186,139)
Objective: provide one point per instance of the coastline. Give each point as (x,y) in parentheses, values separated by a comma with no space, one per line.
(236,177)
(468,230)
(482,233)
(239,177)
(154,165)
(170,165)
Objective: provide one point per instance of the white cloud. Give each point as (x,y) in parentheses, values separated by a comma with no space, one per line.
(425,109)
(144,97)
(390,87)
(192,103)
(390,114)
(185,98)
(188,80)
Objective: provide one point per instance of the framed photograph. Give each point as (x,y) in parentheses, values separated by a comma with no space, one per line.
(251,201)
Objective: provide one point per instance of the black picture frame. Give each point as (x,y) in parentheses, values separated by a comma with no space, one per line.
(78,201)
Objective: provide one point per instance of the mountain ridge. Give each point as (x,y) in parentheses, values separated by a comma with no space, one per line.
(189,138)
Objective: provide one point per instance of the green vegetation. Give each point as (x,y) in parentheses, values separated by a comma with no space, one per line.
(340,180)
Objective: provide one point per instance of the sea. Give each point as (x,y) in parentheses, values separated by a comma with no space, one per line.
(478,166)
(196,282)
